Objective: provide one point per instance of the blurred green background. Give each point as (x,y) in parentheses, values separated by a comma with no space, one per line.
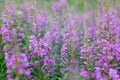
(79,4)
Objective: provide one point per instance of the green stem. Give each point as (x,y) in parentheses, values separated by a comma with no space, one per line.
(27,37)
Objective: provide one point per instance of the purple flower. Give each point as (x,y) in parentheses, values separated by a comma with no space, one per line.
(22,35)
(43,71)
(92,31)
(56,6)
(31,55)
(64,52)
(21,69)
(37,63)
(5,33)
(114,74)
(98,74)
(43,52)
(9,77)
(46,61)
(84,73)
(23,58)
(25,12)
(28,74)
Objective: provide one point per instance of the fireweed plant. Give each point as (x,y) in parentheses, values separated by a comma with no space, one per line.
(38,43)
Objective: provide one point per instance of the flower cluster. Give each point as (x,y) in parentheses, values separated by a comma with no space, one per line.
(54,42)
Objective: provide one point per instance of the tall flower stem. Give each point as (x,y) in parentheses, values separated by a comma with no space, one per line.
(37,37)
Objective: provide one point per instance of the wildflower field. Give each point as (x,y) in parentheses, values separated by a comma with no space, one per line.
(59,39)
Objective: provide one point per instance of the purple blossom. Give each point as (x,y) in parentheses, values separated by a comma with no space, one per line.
(5,33)
(98,74)
(114,74)
(37,63)
(84,73)
(56,6)
(25,12)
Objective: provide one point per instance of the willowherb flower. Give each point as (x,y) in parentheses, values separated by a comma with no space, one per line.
(92,31)
(25,12)
(9,77)
(31,55)
(114,74)
(48,61)
(107,48)
(49,64)
(84,73)
(98,73)
(56,6)
(42,19)
(37,63)
(40,22)
(64,53)
(5,33)
(11,11)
